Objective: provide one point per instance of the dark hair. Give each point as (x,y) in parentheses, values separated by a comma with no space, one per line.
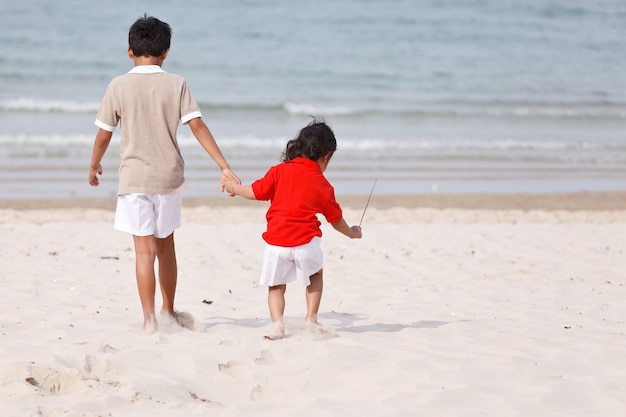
(148,36)
(314,141)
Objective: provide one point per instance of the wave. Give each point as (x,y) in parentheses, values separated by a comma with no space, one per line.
(469,145)
(46,106)
(568,111)
(445,109)
(305,109)
(449,109)
(53,140)
(251,144)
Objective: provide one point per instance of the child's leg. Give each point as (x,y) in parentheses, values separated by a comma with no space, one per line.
(168,272)
(314,296)
(145,254)
(276,303)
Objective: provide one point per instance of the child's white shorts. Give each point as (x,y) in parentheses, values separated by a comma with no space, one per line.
(280,263)
(148,214)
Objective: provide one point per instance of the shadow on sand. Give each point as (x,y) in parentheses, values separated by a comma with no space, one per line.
(348,324)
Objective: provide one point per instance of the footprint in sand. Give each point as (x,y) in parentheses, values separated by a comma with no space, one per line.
(106,348)
(55,381)
(265,357)
(236,369)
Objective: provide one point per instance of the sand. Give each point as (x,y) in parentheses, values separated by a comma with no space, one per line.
(448,306)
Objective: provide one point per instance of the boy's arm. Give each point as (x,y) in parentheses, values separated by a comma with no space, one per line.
(100,145)
(353,232)
(204,136)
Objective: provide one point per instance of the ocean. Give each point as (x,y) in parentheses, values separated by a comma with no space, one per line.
(448,96)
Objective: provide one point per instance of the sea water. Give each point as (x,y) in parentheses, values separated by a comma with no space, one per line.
(431,96)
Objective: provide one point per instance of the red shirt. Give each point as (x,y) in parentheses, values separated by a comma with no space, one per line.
(298,191)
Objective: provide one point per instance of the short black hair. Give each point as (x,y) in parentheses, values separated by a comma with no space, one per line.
(149,36)
(314,141)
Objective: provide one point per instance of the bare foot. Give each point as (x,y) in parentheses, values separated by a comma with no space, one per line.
(150,325)
(278,331)
(315,327)
(312,323)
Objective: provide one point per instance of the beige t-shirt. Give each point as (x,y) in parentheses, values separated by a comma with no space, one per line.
(150,103)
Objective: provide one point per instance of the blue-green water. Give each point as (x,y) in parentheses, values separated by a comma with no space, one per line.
(428,96)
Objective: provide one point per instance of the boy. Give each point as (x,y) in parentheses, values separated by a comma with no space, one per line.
(150,103)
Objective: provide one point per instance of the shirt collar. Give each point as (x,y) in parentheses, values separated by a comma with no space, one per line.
(306,161)
(146,69)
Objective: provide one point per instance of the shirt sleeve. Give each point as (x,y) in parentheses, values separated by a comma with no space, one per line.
(108,115)
(105,126)
(190,116)
(332,210)
(189,108)
(264,188)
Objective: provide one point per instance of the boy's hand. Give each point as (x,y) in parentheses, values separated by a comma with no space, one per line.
(228,178)
(93,175)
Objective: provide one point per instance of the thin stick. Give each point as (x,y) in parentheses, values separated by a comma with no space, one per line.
(368,201)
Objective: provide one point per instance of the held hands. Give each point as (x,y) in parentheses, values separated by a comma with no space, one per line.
(229,186)
(93,175)
(228,180)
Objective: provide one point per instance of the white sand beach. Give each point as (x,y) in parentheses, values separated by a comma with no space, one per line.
(491,306)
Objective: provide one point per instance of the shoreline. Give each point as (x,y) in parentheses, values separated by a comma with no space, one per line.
(586,201)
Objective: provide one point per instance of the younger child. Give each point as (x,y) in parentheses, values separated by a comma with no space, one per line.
(150,103)
(298,191)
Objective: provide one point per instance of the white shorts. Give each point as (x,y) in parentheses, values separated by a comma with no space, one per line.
(280,263)
(148,214)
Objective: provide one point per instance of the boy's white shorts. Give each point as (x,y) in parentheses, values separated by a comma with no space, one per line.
(148,214)
(280,263)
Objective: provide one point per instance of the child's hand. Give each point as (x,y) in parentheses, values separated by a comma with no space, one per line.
(228,186)
(353,232)
(356,232)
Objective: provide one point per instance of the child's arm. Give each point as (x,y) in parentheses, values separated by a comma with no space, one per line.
(234,189)
(100,145)
(204,136)
(353,232)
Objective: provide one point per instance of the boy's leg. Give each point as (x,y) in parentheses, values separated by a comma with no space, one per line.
(314,296)
(145,254)
(276,303)
(168,272)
